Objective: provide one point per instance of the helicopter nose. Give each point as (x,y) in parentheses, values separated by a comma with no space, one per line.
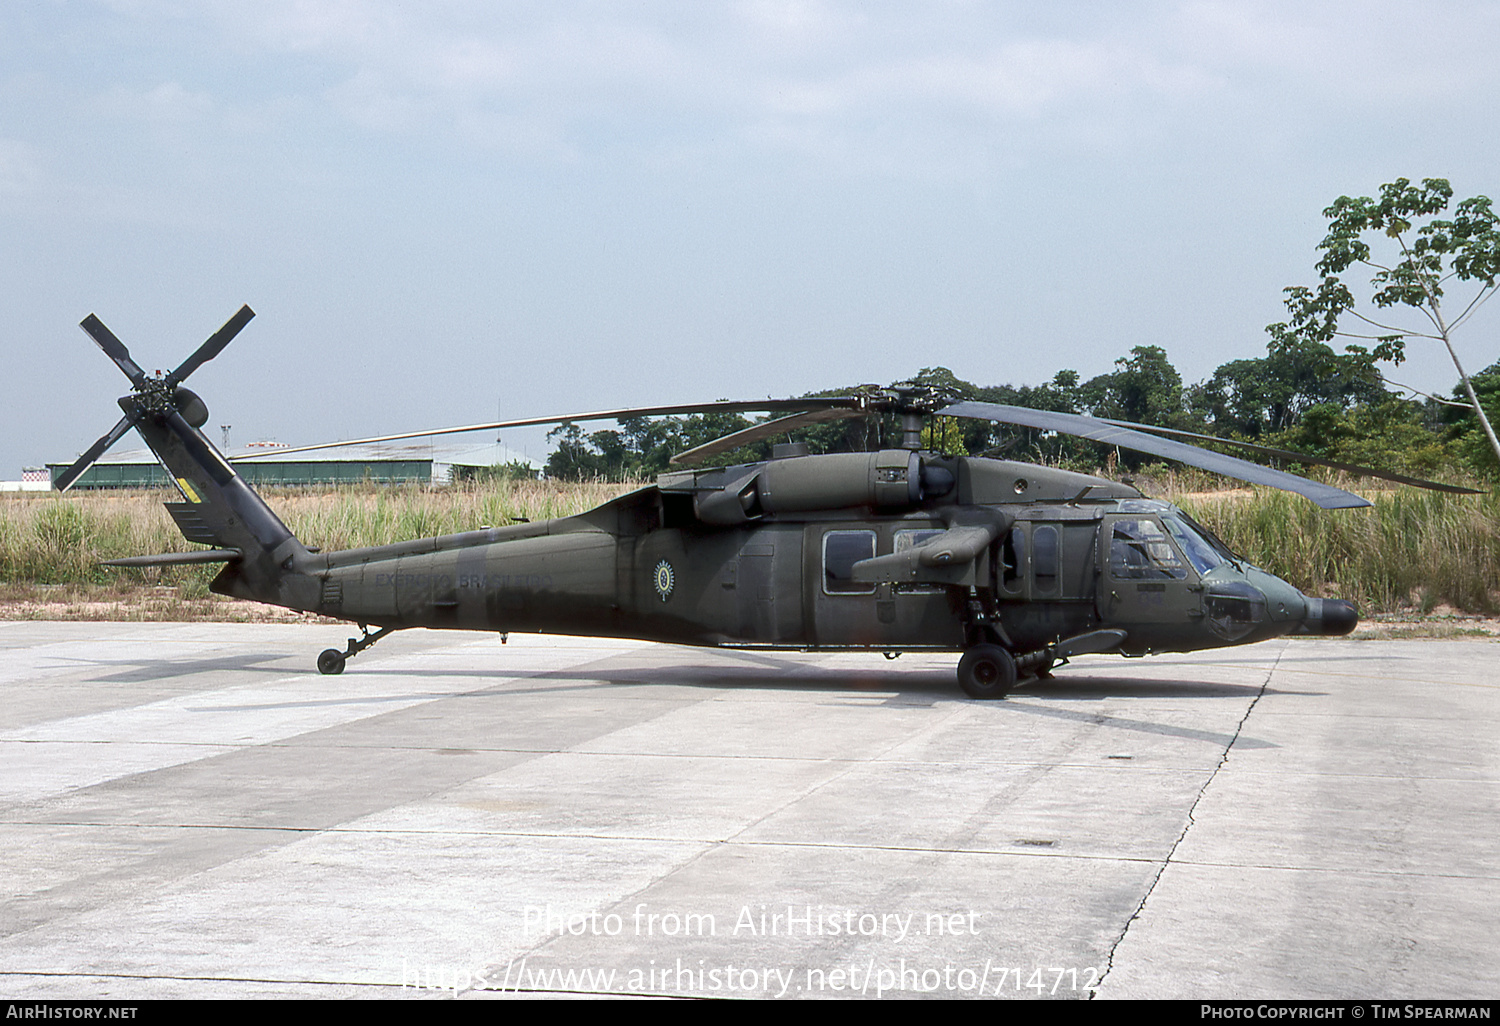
(1329,618)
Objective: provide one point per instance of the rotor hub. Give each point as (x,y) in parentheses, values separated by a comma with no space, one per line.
(156,395)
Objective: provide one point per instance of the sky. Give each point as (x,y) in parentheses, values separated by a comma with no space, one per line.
(457,211)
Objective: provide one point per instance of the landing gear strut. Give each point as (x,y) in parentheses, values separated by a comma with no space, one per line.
(331,660)
(1038,664)
(987,669)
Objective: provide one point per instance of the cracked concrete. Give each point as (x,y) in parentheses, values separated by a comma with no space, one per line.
(1188,825)
(190,810)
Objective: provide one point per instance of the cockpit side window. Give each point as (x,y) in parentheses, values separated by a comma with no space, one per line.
(1140,551)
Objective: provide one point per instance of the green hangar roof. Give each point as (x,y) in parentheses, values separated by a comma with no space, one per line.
(260,467)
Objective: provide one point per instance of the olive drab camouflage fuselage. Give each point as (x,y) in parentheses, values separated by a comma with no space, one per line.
(1015,565)
(833,563)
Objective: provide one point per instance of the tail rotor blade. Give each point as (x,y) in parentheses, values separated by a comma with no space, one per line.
(113,348)
(96,450)
(213,347)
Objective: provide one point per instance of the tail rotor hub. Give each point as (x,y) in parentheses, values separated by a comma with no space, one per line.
(151,395)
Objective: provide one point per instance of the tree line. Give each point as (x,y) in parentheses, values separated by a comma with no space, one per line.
(1435,269)
(1300,396)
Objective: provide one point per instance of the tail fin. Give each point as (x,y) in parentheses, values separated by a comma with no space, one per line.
(218,507)
(263,556)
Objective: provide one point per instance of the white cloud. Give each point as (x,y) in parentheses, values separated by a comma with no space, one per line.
(946,88)
(865,78)
(795,21)
(168,103)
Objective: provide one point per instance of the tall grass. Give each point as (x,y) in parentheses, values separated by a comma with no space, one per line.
(357,517)
(46,539)
(1413,549)
(60,539)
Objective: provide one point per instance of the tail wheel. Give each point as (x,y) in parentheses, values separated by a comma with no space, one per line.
(986,671)
(330,660)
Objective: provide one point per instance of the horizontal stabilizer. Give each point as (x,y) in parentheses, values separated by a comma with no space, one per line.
(178,558)
(191,521)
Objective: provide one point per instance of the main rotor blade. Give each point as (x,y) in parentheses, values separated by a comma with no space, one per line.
(1097,430)
(1300,457)
(213,347)
(757,432)
(96,450)
(113,348)
(759,406)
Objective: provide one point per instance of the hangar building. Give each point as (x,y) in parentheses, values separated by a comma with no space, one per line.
(350,465)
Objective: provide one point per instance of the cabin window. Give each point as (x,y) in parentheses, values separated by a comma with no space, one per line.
(1139,550)
(1045,557)
(841,550)
(905,542)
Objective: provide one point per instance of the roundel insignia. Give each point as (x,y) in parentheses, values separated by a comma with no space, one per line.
(664,578)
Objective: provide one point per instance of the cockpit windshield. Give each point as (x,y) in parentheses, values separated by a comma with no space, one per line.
(1198,544)
(1218,543)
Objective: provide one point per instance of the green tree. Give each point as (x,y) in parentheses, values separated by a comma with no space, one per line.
(1254,397)
(1389,434)
(575,459)
(642,447)
(1463,425)
(1425,254)
(1144,387)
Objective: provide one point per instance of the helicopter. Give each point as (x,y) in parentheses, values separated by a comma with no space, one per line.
(1016,566)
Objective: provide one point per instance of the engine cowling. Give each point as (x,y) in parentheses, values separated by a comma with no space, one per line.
(888,479)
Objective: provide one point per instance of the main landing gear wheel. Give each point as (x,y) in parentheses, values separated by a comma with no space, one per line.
(330,660)
(986,671)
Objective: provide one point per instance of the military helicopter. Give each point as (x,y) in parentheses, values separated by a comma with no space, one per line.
(1018,567)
